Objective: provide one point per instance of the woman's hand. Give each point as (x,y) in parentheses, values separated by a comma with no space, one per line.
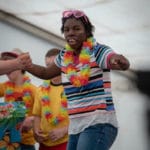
(24,61)
(118,62)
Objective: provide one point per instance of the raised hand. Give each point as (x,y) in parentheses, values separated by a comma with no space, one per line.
(25,61)
(118,62)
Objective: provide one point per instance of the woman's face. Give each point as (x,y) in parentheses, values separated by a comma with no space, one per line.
(74,33)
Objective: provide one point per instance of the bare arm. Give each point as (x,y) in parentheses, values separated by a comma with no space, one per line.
(44,72)
(7,66)
(38,133)
(37,70)
(118,62)
(27,124)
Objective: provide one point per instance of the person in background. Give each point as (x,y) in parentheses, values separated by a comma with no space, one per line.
(19,88)
(85,65)
(7,66)
(50,112)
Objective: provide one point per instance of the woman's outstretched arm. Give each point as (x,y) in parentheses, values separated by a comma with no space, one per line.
(44,72)
(38,70)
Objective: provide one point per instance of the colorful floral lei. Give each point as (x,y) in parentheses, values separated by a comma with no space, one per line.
(10,110)
(25,95)
(81,78)
(6,111)
(46,104)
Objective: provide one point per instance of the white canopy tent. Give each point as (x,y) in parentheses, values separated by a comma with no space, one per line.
(124,25)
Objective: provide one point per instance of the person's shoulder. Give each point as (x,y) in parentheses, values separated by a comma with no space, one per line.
(62,51)
(102,45)
(60,55)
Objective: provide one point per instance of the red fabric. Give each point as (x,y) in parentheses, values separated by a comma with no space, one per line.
(62,146)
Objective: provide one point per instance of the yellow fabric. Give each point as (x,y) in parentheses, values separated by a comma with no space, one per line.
(55,99)
(27,138)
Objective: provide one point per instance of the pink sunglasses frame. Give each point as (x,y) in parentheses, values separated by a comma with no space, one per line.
(75,13)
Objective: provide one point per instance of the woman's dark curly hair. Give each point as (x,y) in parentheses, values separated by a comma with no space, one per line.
(89,28)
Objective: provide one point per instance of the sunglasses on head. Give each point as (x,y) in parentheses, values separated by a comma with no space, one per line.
(75,13)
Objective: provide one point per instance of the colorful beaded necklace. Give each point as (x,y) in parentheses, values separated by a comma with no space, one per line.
(54,120)
(81,78)
(25,95)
